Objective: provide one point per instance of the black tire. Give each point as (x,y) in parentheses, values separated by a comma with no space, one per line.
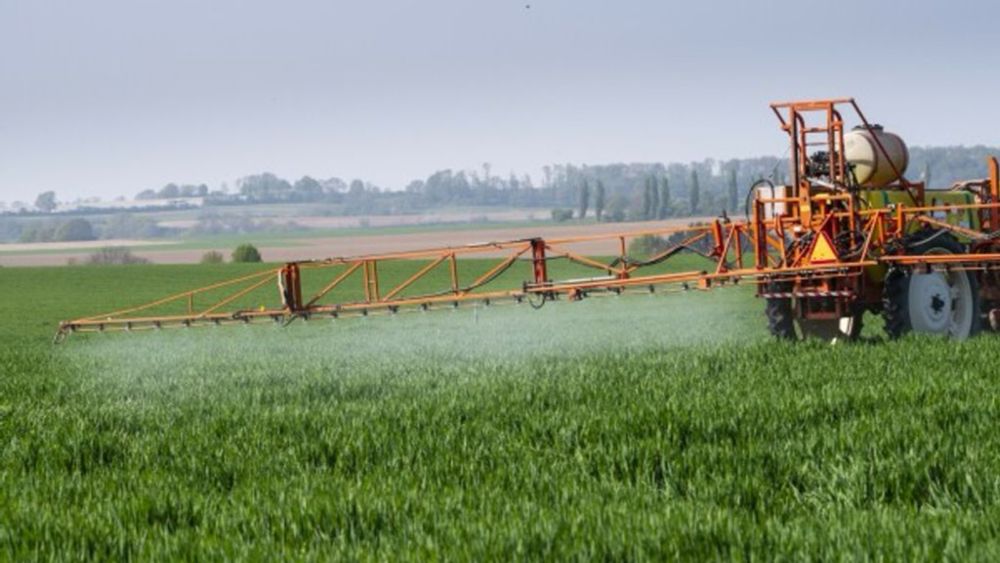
(780,315)
(896,288)
(895,296)
(859,323)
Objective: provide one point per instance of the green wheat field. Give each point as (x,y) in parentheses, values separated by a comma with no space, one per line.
(644,427)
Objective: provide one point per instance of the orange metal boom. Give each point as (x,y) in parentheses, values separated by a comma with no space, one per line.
(727,243)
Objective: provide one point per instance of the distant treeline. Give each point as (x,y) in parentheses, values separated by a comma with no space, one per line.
(612,192)
(66,229)
(697,188)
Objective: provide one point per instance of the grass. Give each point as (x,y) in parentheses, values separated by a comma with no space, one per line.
(643,427)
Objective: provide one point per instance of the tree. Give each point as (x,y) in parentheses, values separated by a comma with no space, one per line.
(75,229)
(36,232)
(647,201)
(513,183)
(584,199)
(487,174)
(925,176)
(599,200)
(126,225)
(562,215)
(265,187)
(333,186)
(212,257)
(616,209)
(308,189)
(114,256)
(246,253)
(46,201)
(664,198)
(654,198)
(695,192)
(734,194)
(146,194)
(169,191)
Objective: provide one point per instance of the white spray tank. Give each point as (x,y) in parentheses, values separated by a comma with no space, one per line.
(871,167)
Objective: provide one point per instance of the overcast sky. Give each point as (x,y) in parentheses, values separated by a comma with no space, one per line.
(113,97)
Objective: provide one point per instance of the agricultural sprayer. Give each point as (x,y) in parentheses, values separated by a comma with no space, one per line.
(848,234)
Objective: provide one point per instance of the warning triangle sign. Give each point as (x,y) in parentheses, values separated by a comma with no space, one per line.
(822,251)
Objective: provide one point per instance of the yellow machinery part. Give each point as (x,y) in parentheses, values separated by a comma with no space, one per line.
(966,218)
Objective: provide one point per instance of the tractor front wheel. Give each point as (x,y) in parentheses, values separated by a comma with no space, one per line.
(937,301)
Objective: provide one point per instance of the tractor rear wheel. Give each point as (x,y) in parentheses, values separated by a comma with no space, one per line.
(780,315)
(939,301)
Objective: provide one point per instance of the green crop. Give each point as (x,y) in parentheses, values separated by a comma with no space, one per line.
(636,427)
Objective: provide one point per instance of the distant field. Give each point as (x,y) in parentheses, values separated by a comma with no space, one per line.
(641,427)
(304,245)
(275,226)
(272,239)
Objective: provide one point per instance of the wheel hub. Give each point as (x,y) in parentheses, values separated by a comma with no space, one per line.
(937,304)
(930,303)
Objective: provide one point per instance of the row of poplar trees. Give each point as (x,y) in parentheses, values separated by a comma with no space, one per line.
(656,197)
(599,200)
(656,201)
